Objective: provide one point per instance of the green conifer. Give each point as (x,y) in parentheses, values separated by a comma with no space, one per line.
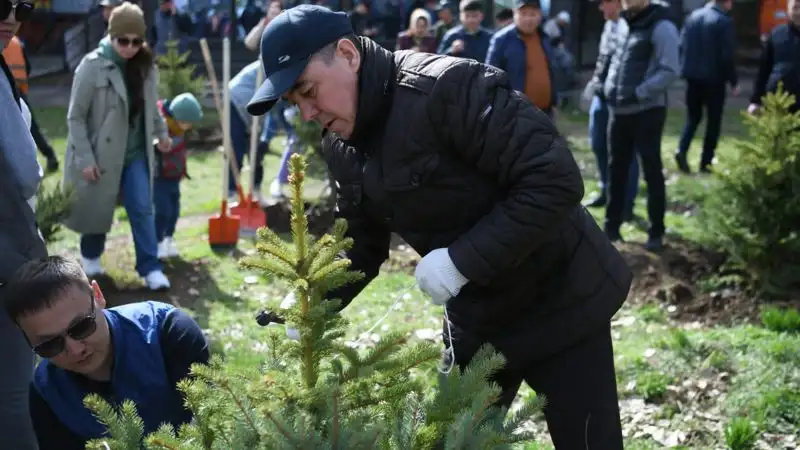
(317,392)
(176,75)
(53,205)
(752,211)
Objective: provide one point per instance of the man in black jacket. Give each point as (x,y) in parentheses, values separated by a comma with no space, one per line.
(445,153)
(780,61)
(707,45)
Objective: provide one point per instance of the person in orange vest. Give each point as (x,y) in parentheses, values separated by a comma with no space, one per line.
(17,61)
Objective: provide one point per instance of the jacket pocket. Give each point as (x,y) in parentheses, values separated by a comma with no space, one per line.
(411,176)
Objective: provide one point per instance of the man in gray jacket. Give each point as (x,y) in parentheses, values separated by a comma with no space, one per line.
(645,63)
(20,242)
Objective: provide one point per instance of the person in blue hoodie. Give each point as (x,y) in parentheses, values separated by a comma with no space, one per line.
(469,39)
(20,240)
(137,352)
(242,88)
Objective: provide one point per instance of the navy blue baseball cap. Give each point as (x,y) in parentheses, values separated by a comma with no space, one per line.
(287,44)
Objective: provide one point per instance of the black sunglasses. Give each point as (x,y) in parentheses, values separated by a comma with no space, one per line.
(125,42)
(79,330)
(22,10)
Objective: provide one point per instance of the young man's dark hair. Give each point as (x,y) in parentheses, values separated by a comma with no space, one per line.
(137,351)
(504,14)
(39,283)
(471,5)
(444,152)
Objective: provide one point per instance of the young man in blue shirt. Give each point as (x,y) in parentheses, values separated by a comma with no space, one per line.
(134,352)
(469,39)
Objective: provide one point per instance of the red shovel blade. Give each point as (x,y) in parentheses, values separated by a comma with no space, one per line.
(251,215)
(223,229)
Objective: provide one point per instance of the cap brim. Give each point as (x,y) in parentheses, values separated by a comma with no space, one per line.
(273,87)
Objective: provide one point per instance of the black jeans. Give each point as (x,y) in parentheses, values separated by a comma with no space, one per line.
(700,95)
(41,141)
(578,383)
(627,134)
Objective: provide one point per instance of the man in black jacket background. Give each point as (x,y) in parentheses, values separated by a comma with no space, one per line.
(780,61)
(707,48)
(468,172)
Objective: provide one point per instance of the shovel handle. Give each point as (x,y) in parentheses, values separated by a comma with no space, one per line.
(212,76)
(224,122)
(254,140)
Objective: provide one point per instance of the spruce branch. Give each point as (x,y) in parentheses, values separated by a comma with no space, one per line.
(320,393)
(299,221)
(245,411)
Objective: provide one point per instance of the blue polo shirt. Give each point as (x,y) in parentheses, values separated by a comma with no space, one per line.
(155,345)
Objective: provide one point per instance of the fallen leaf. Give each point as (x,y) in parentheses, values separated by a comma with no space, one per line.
(624,321)
(427,334)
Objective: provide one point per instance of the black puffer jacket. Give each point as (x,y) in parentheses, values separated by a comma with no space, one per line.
(446,154)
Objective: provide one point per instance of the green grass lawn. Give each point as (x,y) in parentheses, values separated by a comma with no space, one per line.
(681,383)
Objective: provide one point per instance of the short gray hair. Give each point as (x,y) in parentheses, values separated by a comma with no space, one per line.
(327,53)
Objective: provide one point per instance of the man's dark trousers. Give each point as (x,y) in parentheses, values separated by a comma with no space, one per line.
(700,95)
(41,142)
(578,383)
(629,133)
(598,135)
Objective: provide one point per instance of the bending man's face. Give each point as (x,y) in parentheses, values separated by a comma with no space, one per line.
(327,90)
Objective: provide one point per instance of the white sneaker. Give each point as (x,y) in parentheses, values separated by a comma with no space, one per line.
(92,267)
(170,249)
(276,190)
(163,252)
(156,281)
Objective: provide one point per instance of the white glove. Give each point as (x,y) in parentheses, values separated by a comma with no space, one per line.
(438,277)
(287,303)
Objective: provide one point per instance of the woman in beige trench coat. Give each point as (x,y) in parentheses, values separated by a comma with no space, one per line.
(113,119)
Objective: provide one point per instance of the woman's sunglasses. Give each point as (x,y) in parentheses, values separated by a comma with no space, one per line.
(126,42)
(22,10)
(78,331)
